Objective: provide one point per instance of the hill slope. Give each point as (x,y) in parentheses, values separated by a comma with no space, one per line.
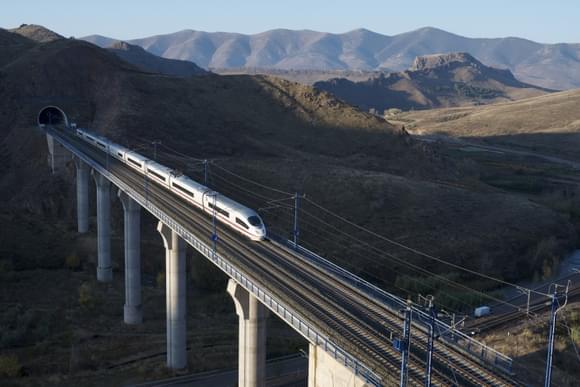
(277,131)
(37,33)
(442,80)
(155,64)
(555,66)
(548,123)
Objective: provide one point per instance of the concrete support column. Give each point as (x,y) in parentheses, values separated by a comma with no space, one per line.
(324,370)
(57,155)
(104,268)
(175,297)
(133,312)
(252,337)
(82,195)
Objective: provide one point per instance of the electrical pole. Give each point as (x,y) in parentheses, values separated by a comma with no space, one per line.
(146,183)
(155,143)
(429,366)
(406,344)
(205,171)
(214,236)
(296,230)
(552,331)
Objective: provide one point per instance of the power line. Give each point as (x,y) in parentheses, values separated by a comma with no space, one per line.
(473,272)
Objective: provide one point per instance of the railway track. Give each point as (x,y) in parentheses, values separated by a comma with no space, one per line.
(505,318)
(357,322)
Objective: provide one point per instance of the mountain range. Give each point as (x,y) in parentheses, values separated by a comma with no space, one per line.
(130,53)
(443,80)
(555,66)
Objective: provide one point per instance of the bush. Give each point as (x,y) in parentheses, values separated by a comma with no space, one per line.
(87,296)
(160,279)
(10,366)
(72,261)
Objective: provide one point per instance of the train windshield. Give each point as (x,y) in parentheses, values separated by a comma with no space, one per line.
(254,221)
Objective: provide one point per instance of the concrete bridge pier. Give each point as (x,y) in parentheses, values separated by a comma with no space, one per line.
(175,297)
(57,155)
(104,268)
(82,195)
(133,310)
(324,370)
(252,337)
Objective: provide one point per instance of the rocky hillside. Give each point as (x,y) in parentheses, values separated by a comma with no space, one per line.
(285,134)
(554,66)
(37,33)
(67,329)
(155,64)
(442,80)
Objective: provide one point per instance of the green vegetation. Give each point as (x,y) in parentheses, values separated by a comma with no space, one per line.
(469,91)
(73,261)
(160,280)
(88,296)
(10,366)
(22,326)
(446,296)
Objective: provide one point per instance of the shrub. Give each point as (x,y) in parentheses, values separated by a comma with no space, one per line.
(72,261)
(87,296)
(10,366)
(160,280)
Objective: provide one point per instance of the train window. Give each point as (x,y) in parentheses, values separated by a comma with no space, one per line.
(187,192)
(134,162)
(157,175)
(120,154)
(101,145)
(219,210)
(242,223)
(255,221)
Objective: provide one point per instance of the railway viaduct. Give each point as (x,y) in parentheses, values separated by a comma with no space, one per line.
(344,350)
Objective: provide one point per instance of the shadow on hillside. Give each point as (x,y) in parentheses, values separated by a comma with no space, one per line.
(559,145)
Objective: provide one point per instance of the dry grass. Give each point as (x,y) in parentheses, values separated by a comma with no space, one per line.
(526,343)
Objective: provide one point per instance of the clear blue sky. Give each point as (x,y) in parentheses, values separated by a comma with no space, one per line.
(547,21)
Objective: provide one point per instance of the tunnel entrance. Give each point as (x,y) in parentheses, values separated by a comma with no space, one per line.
(52,115)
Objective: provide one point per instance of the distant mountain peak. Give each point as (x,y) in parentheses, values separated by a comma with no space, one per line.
(434,61)
(37,33)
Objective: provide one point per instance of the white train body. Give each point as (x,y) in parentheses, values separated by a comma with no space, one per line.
(240,218)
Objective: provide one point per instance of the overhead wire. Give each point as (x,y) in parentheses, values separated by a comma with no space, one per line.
(418,252)
(382,254)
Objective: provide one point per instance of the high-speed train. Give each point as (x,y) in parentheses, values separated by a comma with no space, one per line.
(242,219)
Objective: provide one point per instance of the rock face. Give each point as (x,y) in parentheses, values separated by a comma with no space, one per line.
(430,62)
(37,33)
(155,64)
(555,66)
(442,80)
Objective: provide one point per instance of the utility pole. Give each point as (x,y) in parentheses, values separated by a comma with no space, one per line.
(552,330)
(146,183)
(406,344)
(205,172)
(155,143)
(296,232)
(214,236)
(429,366)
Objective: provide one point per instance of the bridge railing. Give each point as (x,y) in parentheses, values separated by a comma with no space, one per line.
(287,314)
(452,336)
